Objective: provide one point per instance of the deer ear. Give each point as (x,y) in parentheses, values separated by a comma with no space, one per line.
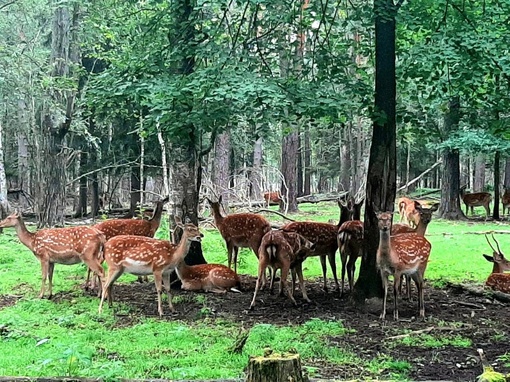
(435,207)
(488,258)
(220,199)
(417,206)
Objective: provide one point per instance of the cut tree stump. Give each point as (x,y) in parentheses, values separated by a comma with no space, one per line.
(274,367)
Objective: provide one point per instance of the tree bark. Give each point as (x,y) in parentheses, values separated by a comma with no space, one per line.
(81,208)
(135,190)
(381,177)
(256,173)
(221,169)
(450,180)
(479,181)
(4,203)
(275,368)
(345,160)
(497,179)
(307,186)
(507,173)
(289,171)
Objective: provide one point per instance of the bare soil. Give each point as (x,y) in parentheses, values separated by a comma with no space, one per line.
(450,312)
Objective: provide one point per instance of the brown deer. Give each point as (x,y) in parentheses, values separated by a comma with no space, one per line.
(272,197)
(498,279)
(476,199)
(424,218)
(66,246)
(407,211)
(505,200)
(215,278)
(402,254)
(324,235)
(140,255)
(244,230)
(350,241)
(285,251)
(138,227)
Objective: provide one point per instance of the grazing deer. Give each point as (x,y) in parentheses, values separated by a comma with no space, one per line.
(66,246)
(476,199)
(272,197)
(324,235)
(140,255)
(424,218)
(244,230)
(138,227)
(406,254)
(285,251)
(498,279)
(505,200)
(350,241)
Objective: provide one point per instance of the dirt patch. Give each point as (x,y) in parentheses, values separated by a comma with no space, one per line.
(452,315)
(8,300)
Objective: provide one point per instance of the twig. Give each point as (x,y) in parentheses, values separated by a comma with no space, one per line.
(274,212)
(470,305)
(430,329)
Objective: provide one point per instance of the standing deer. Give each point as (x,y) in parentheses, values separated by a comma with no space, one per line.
(324,235)
(406,254)
(140,255)
(66,246)
(138,227)
(476,199)
(285,251)
(505,200)
(406,210)
(244,230)
(498,279)
(350,242)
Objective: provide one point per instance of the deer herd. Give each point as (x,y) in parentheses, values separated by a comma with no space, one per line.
(129,246)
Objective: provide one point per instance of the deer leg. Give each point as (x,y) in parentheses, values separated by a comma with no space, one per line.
(283,283)
(230,249)
(343,257)
(299,271)
(166,285)
(113,275)
(262,270)
(385,286)
(351,268)
(236,252)
(408,287)
(158,282)
(51,268)
(418,279)
(332,263)
(273,278)
(396,286)
(44,272)
(324,270)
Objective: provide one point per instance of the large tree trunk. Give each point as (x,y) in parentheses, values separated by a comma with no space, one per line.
(507,173)
(307,188)
(135,193)
(256,173)
(289,171)
(381,177)
(497,179)
(479,179)
(300,178)
(344,183)
(81,208)
(4,204)
(450,180)
(221,167)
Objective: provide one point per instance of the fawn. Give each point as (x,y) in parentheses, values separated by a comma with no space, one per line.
(142,255)
(239,231)
(498,279)
(285,251)
(406,254)
(66,246)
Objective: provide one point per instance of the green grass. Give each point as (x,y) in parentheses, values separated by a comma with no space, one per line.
(44,338)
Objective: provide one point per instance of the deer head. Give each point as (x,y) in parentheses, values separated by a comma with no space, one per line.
(11,221)
(501,264)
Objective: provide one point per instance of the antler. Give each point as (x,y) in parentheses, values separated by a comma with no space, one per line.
(497,244)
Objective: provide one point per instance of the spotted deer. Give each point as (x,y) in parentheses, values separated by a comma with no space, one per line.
(140,255)
(324,235)
(498,279)
(505,201)
(407,212)
(406,254)
(350,242)
(215,278)
(244,230)
(476,199)
(138,227)
(66,246)
(285,251)
(424,218)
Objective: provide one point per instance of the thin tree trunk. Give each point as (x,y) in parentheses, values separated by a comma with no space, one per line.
(289,171)
(256,173)
(345,160)
(497,179)
(221,166)
(4,203)
(300,178)
(135,188)
(507,173)
(307,187)
(81,208)
(479,178)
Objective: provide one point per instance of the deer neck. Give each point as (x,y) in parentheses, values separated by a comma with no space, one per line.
(156,216)
(421,228)
(24,235)
(182,249)
(384,243)
(183,270)
(218,219)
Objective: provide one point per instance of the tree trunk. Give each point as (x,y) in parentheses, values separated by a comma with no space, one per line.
(221,167)
(275,368)
(256,173)
(381,178)
(4,203)
(479,181)
(345,160)
(507,173)
(289,172)
(81,208)
(51,161)
(135,190)
(300,178)
(497,179)
(23,168)
(450,180)
(307,186)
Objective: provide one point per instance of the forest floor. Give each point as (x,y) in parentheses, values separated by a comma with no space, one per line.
(443,347)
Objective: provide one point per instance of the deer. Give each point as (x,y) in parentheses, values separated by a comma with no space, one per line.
(407,211)
(498,279)
(405,254)
(476,199)
(243,230)
(350,242)
(67,246)
(324,235)
(505,200)
(272,197)
(285,251)
(139,227)
(141,255)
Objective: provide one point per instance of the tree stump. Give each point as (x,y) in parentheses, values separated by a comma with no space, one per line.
(274,367)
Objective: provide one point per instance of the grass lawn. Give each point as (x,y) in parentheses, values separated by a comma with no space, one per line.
(44,338)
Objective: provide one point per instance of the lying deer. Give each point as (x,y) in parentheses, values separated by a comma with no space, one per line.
(402,254)
(142,256)
(138,227)
(215,278)
(66,246)
(285,251)
(324,235)
(505,200)
(476,199)
(498,279)
(244,230)
(424,218)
